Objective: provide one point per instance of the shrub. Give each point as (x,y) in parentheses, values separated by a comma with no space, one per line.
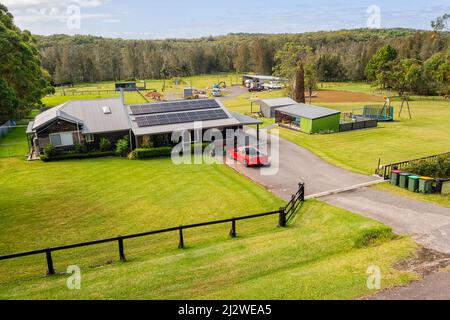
(371,237)
(150,153)
(105,145)
(122,147)
(49,150)
(436,168)
(80,149)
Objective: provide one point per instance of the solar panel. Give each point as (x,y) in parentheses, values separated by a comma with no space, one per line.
(174,106)
(176,118)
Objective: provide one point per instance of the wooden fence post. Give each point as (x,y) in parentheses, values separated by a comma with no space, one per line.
(50,268)
(282,218)
(121,251)
(181,244)
(302,192)
(233,229)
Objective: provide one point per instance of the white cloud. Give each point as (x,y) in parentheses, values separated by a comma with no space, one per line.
(21,4)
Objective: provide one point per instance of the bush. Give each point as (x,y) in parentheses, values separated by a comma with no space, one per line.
(80,149)
(49,150)
(371,237)
(122,147)
(105,145)
(72,156)
(436,168)
(150,153)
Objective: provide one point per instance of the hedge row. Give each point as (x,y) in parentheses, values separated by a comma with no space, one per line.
(150,153)
(436,168)
(79,156)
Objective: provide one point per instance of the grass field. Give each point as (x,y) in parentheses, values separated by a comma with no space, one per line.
(60,203)
(14,144)
(171,88)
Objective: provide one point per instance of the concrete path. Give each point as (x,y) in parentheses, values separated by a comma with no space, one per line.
(433,287)
(429,224)
(294,165)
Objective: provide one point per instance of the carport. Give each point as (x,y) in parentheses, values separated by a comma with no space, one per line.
(247,121)
(308,118)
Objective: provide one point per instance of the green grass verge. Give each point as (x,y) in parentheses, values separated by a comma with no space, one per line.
(434,198)
(46,204)
(14,144)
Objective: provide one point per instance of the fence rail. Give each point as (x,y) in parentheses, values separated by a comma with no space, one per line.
(285,214)
(387,169)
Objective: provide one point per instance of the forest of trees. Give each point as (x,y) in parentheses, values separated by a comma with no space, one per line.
(341,55)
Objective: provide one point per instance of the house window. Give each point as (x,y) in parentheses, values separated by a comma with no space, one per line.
(89,137)
(62,139)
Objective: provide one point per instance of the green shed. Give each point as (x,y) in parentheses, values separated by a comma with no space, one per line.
(308,118)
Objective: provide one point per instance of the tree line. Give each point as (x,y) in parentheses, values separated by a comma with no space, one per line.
(341,55)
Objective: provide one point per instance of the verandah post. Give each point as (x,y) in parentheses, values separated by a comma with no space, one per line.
(50,268)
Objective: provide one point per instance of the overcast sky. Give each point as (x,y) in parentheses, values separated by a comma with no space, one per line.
(156,19)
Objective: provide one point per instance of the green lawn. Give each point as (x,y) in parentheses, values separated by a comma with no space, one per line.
(427,133)
(14,144)
(59,203)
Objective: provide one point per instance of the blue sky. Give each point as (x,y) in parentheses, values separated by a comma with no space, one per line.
(139,19)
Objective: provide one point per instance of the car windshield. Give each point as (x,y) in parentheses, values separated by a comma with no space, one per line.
(252,152)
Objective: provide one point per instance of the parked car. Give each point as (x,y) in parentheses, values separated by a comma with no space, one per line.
(256,89)
(249,156)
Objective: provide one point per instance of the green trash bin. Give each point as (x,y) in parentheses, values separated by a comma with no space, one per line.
(413,183)
(395,175)
(403,179)
(426,185)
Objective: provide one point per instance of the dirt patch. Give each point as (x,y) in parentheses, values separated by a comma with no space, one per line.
(327,96)
(425,263)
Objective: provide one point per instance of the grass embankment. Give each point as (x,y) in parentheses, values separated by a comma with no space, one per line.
(59,203)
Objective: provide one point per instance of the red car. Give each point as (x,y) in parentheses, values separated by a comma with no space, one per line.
(249,156)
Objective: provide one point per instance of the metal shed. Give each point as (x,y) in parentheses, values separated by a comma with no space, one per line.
(308,118)
(268,106)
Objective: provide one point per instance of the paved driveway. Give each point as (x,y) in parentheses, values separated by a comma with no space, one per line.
(429,224)
(297,164)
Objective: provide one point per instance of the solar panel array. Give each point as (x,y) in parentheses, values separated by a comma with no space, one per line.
(182,117)
(175,106)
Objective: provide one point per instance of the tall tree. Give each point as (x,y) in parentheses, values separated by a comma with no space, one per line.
(22,80)
(437,72)
(291,63)
(378,64)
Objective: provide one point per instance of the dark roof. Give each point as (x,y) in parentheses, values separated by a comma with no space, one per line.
(307,111)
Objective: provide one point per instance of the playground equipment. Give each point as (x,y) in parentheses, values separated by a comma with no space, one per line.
(220,85)
(405,100)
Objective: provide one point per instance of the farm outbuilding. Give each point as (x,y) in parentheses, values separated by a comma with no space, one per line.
(308,118)
(268,106)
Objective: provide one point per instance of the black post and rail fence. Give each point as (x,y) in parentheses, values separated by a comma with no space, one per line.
(285,215)
(386,170)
